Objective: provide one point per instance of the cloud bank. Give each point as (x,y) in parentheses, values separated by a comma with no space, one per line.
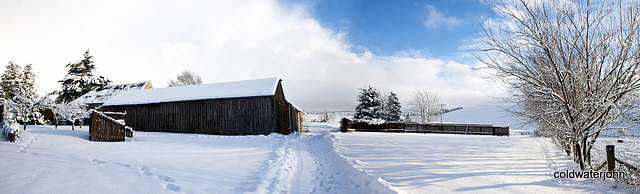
(223,41)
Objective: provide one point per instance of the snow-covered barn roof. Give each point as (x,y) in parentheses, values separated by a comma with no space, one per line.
(100,95)
(248,88)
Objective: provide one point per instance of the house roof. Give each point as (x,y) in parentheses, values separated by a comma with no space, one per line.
(237,89)
(102,94)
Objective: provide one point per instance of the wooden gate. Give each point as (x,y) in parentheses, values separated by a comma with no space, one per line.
(105,128)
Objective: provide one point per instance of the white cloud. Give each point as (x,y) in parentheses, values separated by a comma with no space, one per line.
(435,19)
(222,41)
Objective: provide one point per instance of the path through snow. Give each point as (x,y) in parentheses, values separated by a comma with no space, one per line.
(307,163)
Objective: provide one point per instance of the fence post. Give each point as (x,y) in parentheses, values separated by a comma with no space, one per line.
(611,158)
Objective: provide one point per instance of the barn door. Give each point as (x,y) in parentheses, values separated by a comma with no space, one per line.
(283,119)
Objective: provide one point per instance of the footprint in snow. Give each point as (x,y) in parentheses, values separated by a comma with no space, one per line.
(166,179)
(173,187)
(146,171)
(98,161)
(122,164)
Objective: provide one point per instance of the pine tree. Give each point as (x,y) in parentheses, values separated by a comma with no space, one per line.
(392,108)
(28,81)
(20,101)
(27,86)
(80,79)
(11,81)
(369,108)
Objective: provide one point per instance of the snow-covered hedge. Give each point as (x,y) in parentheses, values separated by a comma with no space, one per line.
(11,131)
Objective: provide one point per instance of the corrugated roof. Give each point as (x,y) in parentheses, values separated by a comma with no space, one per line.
(248,88)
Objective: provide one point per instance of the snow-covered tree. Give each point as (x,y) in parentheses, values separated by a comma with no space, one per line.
(370,105)
(569,65)
(80,79)
(391,108)
(70,112)
(27,82)
(11,80)
(25,107)
(10,129)
(185,78)
(425,105)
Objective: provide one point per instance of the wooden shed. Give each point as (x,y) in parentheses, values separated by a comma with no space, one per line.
(233,108)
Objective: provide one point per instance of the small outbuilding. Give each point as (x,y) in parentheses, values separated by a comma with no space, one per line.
(232,108)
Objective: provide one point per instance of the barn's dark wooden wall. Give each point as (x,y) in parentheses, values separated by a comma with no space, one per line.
(227,116)
(230,116)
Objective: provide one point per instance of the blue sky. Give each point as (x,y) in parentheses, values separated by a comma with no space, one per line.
(385,27)
(323,50)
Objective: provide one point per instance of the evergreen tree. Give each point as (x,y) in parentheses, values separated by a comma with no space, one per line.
(392,108)
(369,108)
(28,80)
(28,87)
(21,103)
(10,84)
(80,79)
(11,80)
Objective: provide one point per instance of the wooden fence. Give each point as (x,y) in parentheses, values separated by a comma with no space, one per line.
(632,173)
(475,129)
(105,128)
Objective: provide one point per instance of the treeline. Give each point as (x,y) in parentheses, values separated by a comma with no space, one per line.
(21,103)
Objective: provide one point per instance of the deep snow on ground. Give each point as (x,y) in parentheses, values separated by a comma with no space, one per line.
(445,163)
(46,160)
(628,150)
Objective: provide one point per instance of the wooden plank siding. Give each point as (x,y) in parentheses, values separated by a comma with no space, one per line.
(228,116)
(221,116)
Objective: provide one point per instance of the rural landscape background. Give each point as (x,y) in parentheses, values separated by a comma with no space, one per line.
(563,76)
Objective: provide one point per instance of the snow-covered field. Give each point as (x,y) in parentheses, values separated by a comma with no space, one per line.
(45,160)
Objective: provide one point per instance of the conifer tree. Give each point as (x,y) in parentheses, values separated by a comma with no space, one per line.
(28,80)
(11,80)
(392,108)
(80,79)
(369,108)
(21,103)
(10,83)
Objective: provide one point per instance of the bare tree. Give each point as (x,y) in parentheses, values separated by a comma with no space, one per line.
(185,78)
(71,112)
(569,65)
(425,105)
(25,107)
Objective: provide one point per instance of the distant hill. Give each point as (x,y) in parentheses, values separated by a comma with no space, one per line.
(485,114)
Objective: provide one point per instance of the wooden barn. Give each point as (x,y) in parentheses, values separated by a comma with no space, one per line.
(233,108)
